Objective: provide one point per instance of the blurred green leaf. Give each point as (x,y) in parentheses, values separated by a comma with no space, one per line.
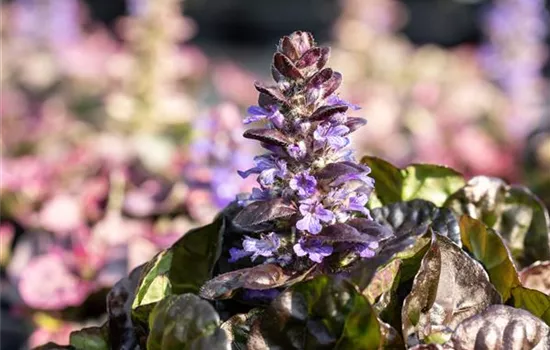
(185,322)
(430,182)
(513,211)
(92,338)
(449,287)
(238,328)
(322,313)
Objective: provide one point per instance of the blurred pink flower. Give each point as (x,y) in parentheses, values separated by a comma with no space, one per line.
(47,284)
(61,214)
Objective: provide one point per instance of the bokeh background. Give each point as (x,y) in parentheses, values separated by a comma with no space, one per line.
(121,121)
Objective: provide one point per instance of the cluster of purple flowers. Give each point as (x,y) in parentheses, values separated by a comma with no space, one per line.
(312,193)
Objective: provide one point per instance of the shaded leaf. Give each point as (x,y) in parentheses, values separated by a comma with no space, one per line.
(537,276)
(449,287)
(433,183)
(257,215)
(513,211)
(185,322)
(238,328)
(323,313)
(268,136)
(501,327)
(416,216)
(92,338)
(334,170)
(120,298)
(285,66)
(54,346)
(200,249)
(259,277)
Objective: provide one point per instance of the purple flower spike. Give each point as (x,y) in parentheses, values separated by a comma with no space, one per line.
(253,247)
(313,213)
(315,250)
(304,184)
(257,113)
(308,165)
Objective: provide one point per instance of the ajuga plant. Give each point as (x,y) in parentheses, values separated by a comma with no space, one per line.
(331,253)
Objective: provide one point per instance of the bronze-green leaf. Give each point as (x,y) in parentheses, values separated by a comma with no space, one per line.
(449,287)
(430,182)
(92,338)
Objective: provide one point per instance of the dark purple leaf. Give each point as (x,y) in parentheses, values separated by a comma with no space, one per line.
(258,214)
(285,66)
(334,170)
(370,227)
(326,112)
(354,123)
(261,277)
(269,136)
(272,91)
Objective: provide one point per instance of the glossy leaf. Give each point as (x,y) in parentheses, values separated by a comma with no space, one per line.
(433,183)
(323,313)
(501,327)
(92,338)
(185,322)
(415,216)
(317,56)
(272,91)
(259,277)
(449,287)
(513,211)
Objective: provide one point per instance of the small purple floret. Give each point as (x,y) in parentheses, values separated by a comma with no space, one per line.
(314,249)
(304,184)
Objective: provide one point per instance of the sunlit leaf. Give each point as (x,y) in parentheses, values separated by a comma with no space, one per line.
(501,327)
(449,287)
(513,211)
(430,182)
